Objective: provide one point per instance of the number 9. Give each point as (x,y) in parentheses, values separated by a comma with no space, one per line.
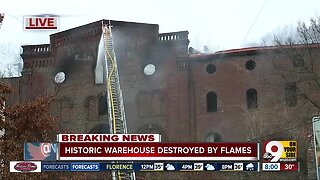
(276,155)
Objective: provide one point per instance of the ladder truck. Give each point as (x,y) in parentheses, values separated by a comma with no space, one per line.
(117,120)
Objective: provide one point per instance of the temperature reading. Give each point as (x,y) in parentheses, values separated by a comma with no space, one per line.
(293,166)
(289,166)
(158,166)
(198,166)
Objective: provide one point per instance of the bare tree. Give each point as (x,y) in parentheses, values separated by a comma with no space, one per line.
(302,47)
(11,61)
(292,70)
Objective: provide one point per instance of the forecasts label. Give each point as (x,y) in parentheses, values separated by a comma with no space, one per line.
(85,166)
(56,166)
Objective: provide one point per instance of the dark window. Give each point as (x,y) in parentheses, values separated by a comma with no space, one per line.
(298,60)
(250,65)
(212,102)
(252,99)
(213,137)
(102,105)
(291,94)
(211,68)
(100,129)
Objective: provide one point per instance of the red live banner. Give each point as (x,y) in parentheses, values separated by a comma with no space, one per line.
(159,151)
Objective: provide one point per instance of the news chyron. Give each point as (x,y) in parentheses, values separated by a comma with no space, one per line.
(280,156)
(41,22)
(146,152)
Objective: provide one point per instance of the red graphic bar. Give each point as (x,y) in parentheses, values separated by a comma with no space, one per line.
(289,166)
(159,151)
(33,27)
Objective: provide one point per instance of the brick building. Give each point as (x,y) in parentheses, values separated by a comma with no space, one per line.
(235,95)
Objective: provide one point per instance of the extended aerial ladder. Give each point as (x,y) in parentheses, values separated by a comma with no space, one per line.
(117,120)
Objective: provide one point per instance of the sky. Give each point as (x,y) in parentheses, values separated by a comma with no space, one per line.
(219,24)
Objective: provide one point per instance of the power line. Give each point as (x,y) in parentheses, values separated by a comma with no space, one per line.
(14,17)
(254,21)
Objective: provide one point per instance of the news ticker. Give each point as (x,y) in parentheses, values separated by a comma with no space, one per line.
(148,147)
(41,166)
(141,166)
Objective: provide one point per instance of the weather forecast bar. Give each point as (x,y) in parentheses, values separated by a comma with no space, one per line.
(150,166)
(159,151)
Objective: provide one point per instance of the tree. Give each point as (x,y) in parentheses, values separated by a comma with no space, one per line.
(29,122)
(302,47)
(292,65)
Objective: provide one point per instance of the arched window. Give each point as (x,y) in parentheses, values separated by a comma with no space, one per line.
(213,137)
(212,102)
(102,105)
(252,99)
(153,129)
(100,129)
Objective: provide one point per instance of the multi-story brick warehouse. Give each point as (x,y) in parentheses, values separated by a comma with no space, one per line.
(237,95)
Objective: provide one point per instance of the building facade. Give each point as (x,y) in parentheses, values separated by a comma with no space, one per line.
(249,94)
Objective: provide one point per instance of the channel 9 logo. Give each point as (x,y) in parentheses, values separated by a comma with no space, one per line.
(40,151)
(275,151)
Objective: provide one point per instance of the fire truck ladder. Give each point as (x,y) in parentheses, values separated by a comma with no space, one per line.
(117,120)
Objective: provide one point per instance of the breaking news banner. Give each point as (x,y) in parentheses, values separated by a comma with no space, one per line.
(159,151)
(109,138)
(36,151)
(280,156)
(25,166)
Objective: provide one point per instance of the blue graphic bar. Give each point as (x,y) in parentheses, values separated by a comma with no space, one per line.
(150,166)
(85,166)
(55,166)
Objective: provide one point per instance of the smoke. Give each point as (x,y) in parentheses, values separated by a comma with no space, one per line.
(65,62)
(11,63)
(100,62)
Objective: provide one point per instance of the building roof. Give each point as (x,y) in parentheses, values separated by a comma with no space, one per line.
(99,23)
(248,51)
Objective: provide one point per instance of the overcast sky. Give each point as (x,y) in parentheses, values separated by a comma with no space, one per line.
(220,24)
